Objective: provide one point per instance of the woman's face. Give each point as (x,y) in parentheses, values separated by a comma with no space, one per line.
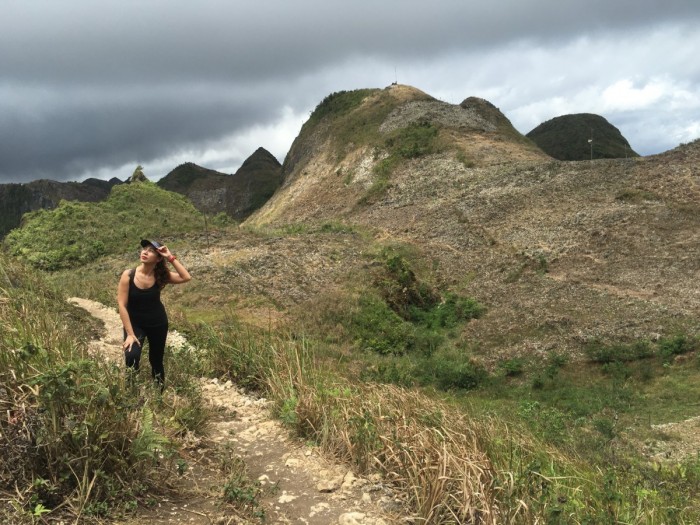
(149,254)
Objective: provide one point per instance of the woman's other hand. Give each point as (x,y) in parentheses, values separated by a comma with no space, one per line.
(129,341)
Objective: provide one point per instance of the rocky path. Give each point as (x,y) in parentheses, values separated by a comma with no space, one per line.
(297,484)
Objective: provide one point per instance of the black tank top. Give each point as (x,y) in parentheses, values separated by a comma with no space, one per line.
(144,306)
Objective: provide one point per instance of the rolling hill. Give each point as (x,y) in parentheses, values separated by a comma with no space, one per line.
(583,136)
(561,253)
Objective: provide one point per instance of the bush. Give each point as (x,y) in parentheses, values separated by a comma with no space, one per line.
(601,353)
(450,369)
(377,328)
(450,312)
(677,345)
(512,367)
(75,233)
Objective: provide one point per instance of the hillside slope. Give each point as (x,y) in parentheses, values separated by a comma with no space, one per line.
(77,233)
(561,253)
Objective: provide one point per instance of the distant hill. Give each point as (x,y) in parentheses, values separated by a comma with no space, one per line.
(76,233)
(561,253)
(211,192)
(567,138)
(238,195)
(357,145)
(18,199)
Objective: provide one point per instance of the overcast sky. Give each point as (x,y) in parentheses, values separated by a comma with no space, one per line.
(92,88)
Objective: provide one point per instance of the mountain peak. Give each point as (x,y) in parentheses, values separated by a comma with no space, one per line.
(238,195)
(260,157)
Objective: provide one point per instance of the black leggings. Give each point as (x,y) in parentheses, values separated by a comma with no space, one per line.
(156,336)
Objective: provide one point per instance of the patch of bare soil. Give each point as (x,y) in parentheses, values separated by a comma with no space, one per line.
(677,441)
(297,484)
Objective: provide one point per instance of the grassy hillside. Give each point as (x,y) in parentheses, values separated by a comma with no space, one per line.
(78,443)
(18,199)
(351,327)
(446,307)
(76,233)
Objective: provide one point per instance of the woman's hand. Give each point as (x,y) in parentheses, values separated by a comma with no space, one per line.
(129,341)
(165,252)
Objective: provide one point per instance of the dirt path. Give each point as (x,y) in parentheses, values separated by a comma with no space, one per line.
(299,486)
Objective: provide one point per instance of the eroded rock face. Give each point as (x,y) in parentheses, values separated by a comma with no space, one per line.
(440,113)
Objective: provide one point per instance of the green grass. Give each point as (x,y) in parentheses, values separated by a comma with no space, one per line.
(558,448)
(84,437)
(552,439)
(76,233)
(410,142)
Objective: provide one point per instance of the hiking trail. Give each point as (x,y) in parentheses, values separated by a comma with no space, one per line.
(297,484)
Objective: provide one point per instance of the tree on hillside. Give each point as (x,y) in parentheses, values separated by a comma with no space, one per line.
(138,175)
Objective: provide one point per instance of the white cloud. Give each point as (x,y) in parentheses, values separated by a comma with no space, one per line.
(623,95)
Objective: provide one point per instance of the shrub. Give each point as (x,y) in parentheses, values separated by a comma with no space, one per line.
(450,369)
(512,367)
(79,232)
(677,345)
(602,353)
(448,313)
(377,328)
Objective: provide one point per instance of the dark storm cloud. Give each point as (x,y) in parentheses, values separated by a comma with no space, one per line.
(85,131)
(89,85)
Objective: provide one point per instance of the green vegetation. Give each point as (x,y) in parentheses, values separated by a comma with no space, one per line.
(666,349)
(78,232)
(413,141)
(567,138)
(378,372)
(576,469)
(340,103)
(352,117)
(401,328)
(81,437)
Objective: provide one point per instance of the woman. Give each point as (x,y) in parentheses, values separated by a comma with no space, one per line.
(142,313)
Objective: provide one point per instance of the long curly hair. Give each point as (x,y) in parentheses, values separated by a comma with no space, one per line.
(161,273)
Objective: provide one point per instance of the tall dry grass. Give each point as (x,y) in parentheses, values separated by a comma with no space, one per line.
(430,454)
(448,466)
(77,437)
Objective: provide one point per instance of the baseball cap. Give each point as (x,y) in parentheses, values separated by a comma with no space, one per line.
(146,242)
